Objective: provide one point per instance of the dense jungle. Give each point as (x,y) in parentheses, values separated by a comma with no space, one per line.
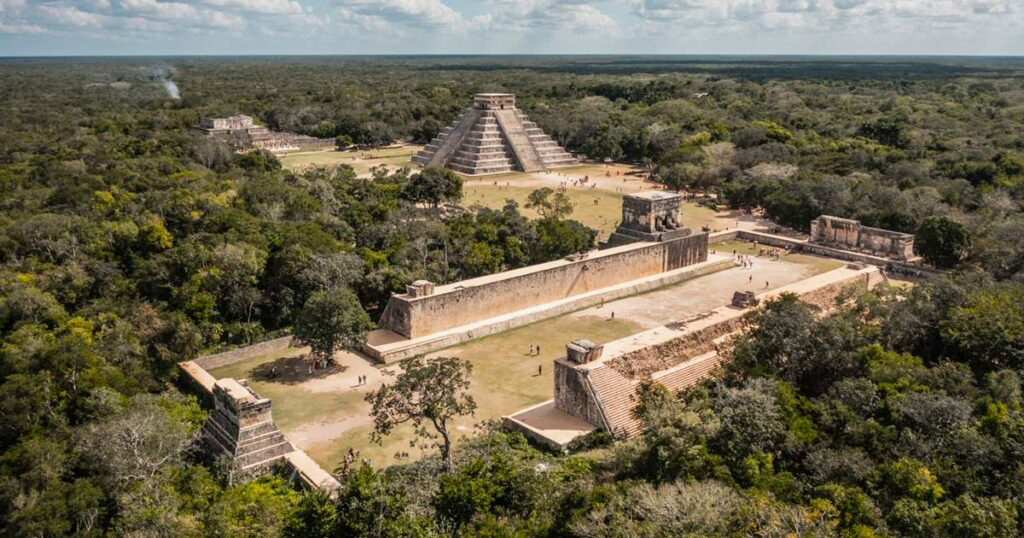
(129,242)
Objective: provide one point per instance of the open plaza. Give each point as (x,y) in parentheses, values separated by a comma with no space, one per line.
(558,348)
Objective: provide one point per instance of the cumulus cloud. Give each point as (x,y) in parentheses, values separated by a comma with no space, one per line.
(378,14)
(543,25)
(577,16)
(268,7)
(819,15)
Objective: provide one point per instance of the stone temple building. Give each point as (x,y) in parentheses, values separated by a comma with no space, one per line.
(850,234)
(649,216)
(491,137)
(245,132)
(241,427)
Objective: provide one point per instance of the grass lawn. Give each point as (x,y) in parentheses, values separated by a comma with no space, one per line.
(602,216)
(504,380)
(361,161)
(818,263)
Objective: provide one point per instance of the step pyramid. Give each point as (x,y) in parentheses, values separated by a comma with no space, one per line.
(241,427)
(491,137)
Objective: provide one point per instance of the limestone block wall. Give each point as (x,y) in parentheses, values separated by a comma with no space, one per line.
(848,233)
(642,363)
(209,362)
(574,395)
(487,297)
(601,392)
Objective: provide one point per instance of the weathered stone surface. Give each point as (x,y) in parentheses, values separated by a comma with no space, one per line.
(470,301)
(602,391)
(744,299)
(491,137)
(649,216)
(850,234)
(241,426)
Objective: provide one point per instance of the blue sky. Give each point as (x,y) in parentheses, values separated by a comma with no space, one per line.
(71,27)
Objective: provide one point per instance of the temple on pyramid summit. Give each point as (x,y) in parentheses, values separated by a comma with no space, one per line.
(491,137)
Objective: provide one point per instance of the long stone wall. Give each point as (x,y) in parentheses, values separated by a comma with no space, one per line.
(387,353)
(601,392)
(473,300)
(209,362)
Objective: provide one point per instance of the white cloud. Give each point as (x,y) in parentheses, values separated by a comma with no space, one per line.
(412,13)
(552,15)
(72,16)
(821,15)
(266,7)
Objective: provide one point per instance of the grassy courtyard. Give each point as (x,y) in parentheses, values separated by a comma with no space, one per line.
(327,421)
(597,208)
(360,160)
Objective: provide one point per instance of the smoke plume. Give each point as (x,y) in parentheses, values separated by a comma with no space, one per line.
(163,76)
(172,89)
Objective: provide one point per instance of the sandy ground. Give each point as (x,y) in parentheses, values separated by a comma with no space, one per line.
(681,301)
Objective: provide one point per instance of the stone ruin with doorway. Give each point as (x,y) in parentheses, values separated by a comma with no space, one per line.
(247,135)
(849,234)
(491,137)
(649,216)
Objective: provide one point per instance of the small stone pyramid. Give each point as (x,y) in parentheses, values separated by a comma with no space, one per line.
(491,137)
(241,426)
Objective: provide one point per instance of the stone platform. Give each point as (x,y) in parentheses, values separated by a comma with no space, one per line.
(389,346)
(493,137)
(597,384)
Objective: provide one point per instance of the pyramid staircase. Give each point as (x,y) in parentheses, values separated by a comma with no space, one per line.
(241,427)
(485,140)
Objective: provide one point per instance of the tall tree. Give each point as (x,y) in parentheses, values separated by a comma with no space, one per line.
(428,393)
(549,204)
(434,185)
(942,242)
(332,320)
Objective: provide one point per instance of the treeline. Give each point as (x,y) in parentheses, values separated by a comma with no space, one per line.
(128,243)
(900,414)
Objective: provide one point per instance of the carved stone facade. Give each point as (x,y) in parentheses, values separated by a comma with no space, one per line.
(491,137)
(851,235)
(649,216)
(241,426)
(244,131)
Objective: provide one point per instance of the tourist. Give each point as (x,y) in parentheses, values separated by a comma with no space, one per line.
(538,350)
(765,284)
(540,370)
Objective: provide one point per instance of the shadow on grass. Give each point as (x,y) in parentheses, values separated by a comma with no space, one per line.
(292,371)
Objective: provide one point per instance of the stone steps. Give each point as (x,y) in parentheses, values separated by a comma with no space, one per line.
(495,141)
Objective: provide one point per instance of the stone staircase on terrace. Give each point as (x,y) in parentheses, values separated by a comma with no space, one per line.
(486,139)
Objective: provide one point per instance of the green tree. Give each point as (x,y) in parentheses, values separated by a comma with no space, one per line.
(988,329)
(433,186)
(942,242)
(332,320)
(557,206)
(427,392)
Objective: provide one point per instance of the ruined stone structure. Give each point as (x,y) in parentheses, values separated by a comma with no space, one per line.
(240,124)
(249,136)
(491,137)
(649,216)
(425,309)
(241,426)
(597,384)
(744,299)
(850,234)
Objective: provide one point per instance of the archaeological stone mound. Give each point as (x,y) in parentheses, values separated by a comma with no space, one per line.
(491,137)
